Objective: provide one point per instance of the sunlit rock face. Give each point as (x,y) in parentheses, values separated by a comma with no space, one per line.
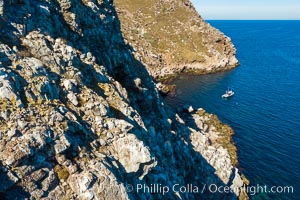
(170,38)
(1,7)
(81,117)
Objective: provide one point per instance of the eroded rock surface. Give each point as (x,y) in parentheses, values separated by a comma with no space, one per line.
(81,118)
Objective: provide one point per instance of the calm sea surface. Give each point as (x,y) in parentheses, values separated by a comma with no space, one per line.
(265,110)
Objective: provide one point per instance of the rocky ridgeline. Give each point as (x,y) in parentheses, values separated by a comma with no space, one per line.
(81,118)
(170,37)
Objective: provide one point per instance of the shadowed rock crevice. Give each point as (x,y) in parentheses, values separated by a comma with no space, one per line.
(94,120)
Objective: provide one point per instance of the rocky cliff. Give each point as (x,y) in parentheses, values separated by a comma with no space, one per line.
(170,37)
(81,118)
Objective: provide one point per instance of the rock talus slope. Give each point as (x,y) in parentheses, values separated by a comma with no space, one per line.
(81,118)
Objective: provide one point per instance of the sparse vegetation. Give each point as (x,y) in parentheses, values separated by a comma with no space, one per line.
(224,136)
(168,28)
(61,172)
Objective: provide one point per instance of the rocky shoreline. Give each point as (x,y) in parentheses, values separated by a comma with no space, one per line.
(218,136)
(171,73)
(82,118)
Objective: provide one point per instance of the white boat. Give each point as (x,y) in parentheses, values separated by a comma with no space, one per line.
(228,93)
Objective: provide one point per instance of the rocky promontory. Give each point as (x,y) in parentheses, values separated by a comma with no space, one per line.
(81,117)
(171,38)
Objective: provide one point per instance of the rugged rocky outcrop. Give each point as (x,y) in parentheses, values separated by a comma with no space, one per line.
(81,118)
(1,7)
(170,38)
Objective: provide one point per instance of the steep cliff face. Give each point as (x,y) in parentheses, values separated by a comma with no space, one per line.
(170,37)
(81,118)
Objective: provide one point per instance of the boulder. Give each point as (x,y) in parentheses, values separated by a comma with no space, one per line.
(131,153)
(188,108)
(72,98)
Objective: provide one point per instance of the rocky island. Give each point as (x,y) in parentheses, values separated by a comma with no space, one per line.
(81,116)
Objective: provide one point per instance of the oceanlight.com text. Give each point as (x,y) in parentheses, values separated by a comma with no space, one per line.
(253,190)
(208,188)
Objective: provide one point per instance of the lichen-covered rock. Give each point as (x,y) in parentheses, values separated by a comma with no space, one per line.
(82,118)
(9,87)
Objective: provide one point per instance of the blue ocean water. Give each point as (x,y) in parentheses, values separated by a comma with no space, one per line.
(265,110)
